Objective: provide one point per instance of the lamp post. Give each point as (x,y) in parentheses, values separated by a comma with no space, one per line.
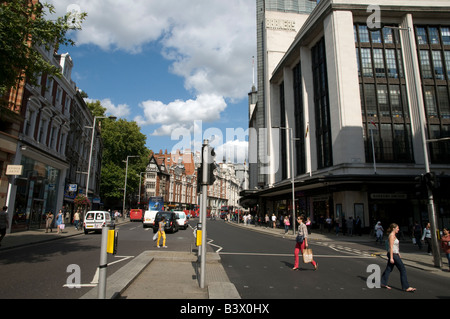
(92,146)
(125,187)
(140,185)
(292,138)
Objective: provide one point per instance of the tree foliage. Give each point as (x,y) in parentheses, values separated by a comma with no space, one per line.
(120,138)
(23,27)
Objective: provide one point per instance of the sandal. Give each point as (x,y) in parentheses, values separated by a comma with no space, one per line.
(385,286)
(294,268)
(410,289)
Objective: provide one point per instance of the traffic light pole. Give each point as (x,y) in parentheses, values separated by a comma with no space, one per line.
(203,212)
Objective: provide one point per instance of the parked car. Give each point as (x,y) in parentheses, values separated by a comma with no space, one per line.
(182,219)
(171,222)
(149,218)
(95,220)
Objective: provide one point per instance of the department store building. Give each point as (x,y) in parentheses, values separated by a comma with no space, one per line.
(341,87)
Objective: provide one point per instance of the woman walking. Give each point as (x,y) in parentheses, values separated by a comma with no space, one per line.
(445,244)
(49,222)
(59,222)
(302,231)
(394,259)
(161,232)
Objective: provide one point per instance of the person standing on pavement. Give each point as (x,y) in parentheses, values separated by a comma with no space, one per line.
(162,233)
(417,232)
(286,224)
(379,232)
(49,221)
(302,231)
(394,259)
(426,236)
(59,222)
(76,219)
(445,244)
(4,223)
(274,221)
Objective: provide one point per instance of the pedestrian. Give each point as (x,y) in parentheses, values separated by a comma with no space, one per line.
(4,223)
(59,222)
(336,227)
(417,232)
(379,231)
(274,221)
(286,224)
(350,225)
(302,231)
(308,225)
(358,226)
(267,220)
(161,232)
(49,222)
(426,236)
(76,220)
(394,259)
(445,244)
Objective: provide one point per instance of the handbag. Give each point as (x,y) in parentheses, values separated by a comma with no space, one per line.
(299,239)
(155,236)
(307,255)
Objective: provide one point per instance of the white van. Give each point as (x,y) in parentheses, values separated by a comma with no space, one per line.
(95,220)
(149,218)
(182,219)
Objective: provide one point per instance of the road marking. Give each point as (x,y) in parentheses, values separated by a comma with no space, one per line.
(291,255)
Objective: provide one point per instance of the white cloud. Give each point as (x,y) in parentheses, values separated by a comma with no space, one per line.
(210,44)
(119,111)
(207,108)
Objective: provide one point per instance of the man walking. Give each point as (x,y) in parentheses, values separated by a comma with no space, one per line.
(4,224)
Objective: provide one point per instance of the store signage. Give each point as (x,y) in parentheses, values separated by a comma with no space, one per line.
(388,196)
(280,24)
(14,170)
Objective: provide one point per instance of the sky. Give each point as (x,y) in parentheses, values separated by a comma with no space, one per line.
(182,69)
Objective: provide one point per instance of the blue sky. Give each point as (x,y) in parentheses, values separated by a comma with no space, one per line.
(181,69)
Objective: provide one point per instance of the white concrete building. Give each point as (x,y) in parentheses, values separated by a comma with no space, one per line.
(349,97)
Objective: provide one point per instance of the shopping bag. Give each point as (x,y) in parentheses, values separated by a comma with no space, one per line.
(155,236)
(62,226)
(307,255)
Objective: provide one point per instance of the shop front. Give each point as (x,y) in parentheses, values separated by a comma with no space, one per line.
(37,192)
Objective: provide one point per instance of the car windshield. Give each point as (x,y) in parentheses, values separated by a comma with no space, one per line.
(166,215)
(181,215)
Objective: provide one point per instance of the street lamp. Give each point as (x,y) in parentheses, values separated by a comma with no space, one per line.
(140,185)
(125,187)
(292,138)
(92,146)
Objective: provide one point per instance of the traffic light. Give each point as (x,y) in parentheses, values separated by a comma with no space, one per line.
(211,167)
(431,180)
(210,161)
(420,185)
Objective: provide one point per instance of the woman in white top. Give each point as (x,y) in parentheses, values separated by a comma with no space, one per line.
(394,259)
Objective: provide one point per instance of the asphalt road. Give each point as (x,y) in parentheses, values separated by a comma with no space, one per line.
(42,271)
(260,266)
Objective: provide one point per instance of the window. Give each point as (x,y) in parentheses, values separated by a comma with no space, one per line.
(383,95)
(321,106)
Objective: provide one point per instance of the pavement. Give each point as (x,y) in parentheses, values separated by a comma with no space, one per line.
(177,274)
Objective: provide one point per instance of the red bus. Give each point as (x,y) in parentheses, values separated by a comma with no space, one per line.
(136,215)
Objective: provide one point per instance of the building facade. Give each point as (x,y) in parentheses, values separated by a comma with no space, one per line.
(346,99)
(53,144)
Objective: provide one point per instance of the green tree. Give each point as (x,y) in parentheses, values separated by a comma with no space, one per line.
(23,27)
(120,138)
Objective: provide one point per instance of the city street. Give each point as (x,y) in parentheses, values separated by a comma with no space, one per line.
(40,270)
(260,266)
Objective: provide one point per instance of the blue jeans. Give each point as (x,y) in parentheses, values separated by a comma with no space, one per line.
(401,267)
